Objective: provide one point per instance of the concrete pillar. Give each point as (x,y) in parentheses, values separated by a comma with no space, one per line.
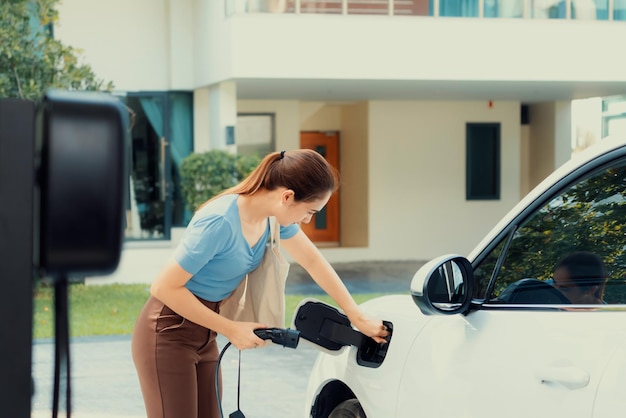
(201,119)
(549,142)
(180,43)
(562,133)
(222,115)
(525,185)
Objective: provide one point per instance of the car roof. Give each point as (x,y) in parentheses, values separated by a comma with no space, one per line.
(578,160)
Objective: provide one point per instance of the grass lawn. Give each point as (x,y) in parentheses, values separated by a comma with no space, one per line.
(112,309)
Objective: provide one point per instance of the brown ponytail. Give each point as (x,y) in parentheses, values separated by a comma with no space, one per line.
(304,171)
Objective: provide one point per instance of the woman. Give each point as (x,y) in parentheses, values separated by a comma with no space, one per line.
(174,341)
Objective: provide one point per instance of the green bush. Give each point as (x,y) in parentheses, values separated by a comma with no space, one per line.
(206,174)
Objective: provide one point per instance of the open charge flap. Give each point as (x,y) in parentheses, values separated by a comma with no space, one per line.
(330,330)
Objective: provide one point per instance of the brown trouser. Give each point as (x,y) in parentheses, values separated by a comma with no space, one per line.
(176,361)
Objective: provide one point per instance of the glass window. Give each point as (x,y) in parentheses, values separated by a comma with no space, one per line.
(161,137)
(548,9)
(615,125)
(619,9)
(485,270)
(323,7)
(458,8)
(148,194)
(482,161)
(254,134)
(504,8)
(613,116)
(180,146)
(590,9)
(615,105)
(574,246)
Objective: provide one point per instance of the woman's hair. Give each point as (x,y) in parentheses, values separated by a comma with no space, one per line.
(304,171)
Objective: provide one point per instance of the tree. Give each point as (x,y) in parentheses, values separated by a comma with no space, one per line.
(31,60)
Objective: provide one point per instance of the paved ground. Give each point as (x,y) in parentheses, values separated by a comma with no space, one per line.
(104,383)
(273,379)
(362,277)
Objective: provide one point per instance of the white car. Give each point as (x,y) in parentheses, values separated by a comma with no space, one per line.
(500,333)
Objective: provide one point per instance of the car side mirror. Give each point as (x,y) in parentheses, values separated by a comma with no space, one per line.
(443,286)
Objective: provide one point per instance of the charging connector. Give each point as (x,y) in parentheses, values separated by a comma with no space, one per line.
(286,337)
(330,330)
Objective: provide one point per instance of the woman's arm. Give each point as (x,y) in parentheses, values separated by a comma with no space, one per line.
(169,288)
(305,253)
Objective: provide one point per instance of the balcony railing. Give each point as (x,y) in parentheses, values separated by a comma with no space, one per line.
(522,9)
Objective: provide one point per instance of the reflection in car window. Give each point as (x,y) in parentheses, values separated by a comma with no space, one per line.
(590,216)
(484,271)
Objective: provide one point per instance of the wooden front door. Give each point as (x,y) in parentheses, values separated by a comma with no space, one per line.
(324,227)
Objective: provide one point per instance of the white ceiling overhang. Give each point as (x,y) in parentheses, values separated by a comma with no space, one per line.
(359,90)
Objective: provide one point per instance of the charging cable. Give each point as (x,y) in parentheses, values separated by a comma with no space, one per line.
(217,384)
(286,337)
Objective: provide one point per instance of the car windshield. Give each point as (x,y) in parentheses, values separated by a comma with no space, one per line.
(570,250)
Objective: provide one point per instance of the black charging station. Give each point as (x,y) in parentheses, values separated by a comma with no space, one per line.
(82,178)
(63,180)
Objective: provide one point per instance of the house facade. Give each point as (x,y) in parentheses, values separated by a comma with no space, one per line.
(439,114)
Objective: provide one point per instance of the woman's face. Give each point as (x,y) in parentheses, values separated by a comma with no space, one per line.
(300,212)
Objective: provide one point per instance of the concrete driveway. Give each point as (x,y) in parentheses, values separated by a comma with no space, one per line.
(104,383)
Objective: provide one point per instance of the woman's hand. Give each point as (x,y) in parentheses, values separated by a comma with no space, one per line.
(307,255)
(242,336)
(371,327)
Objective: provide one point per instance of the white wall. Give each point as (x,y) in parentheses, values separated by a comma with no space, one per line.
(562,133)
(181,42)
(187,44)
(417,177)
(201,125)
(138,44)
(293,46)
(213,45)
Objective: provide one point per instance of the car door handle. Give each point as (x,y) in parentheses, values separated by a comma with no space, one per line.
(569,376)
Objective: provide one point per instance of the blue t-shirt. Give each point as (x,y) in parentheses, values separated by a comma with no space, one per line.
(214,250)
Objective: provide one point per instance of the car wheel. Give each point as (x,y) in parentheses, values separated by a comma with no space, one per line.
(348,409)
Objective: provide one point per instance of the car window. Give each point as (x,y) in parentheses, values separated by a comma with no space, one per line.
(485,270)
(571,250)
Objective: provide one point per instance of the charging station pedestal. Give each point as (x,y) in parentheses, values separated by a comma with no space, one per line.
(61,159)
(16,255)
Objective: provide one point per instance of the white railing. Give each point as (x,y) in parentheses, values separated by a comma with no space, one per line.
(527,9)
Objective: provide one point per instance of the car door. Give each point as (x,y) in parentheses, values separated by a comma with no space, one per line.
(508,363)
(528,348)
